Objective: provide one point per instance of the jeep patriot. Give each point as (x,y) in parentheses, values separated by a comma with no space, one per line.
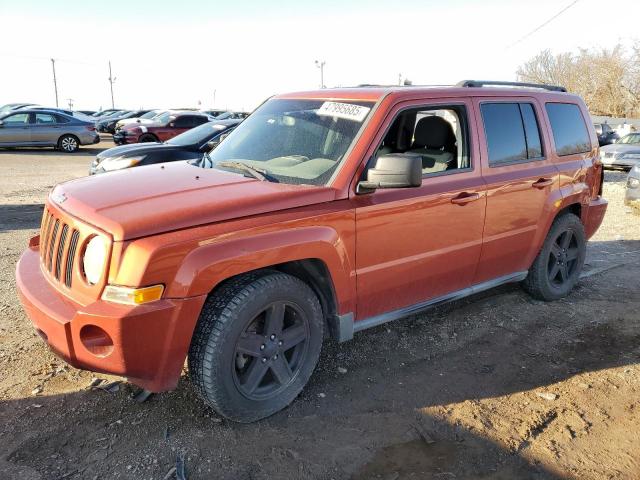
(323,214)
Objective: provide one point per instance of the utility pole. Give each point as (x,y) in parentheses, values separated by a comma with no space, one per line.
(399,79)
(112,80)
(320,65)
(214,99)
(55,83)
(70,100)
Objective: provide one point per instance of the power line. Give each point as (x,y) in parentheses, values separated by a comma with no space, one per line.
(539,27)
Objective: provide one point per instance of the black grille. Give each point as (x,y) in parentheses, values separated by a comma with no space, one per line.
(57,239)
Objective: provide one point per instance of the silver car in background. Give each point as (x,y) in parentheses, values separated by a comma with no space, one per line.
(46,128)
(623,154)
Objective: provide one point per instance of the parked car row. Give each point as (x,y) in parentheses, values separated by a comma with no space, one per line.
(31,125)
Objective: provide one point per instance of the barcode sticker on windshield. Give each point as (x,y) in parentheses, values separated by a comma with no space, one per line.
(347,111)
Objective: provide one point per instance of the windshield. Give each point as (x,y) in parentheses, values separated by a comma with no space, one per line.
(197,135)
(162,118)
(295,141)
(150,114)
(633,138)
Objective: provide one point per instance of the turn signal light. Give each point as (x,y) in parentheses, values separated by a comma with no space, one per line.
(132,296)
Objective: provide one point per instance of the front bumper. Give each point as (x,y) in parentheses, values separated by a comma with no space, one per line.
(619,163)
(146,343)
(119,138)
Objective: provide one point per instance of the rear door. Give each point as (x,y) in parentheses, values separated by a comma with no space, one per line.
(15,129)
(45,130)
(522,184)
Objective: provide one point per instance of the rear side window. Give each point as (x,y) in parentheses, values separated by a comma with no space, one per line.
(512,132)
(570,133)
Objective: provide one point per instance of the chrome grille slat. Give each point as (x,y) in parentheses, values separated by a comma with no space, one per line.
(61,248)
(52,243)
(71,255)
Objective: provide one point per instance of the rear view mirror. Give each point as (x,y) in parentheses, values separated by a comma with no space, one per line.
(400,170)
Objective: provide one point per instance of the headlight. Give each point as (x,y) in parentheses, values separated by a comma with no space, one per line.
(634,156)
(119,163)
(633,183)
(95,256)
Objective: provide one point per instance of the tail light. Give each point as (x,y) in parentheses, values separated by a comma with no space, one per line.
(91,128)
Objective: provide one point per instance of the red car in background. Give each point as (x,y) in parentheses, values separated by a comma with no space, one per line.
(162,129)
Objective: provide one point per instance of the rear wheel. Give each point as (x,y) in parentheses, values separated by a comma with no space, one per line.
(68,143)
(146,138)
(257,343)
(556,269)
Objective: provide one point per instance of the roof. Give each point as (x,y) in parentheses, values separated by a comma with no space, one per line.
(377,92)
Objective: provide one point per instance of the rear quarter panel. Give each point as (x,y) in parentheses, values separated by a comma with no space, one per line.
(580,174)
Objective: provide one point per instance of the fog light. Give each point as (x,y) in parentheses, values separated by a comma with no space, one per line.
(96,340)
(132,296)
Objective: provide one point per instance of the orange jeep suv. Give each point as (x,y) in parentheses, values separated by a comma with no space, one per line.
(326,211)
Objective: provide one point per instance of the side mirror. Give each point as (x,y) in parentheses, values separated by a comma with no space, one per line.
(210,145)
(172,124)
(399,170)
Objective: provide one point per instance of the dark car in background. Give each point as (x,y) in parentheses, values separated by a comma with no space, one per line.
(606,134)
(163,128)
(104,113)
(232,115)
(186,146)
(43,128)
(108,125)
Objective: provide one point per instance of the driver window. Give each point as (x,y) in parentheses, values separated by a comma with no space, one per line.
(437,134)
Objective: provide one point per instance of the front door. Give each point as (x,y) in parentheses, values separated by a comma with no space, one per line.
(417,244)
(15,129)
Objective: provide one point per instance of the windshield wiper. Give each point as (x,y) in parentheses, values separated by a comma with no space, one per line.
(258,173)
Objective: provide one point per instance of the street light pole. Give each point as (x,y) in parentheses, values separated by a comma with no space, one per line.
(111,82)
(320,65)
(55,83)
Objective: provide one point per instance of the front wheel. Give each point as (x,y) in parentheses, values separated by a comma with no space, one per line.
(68,143)
(556,269)
(256,344)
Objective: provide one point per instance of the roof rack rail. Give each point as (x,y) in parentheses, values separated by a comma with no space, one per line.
(483,83)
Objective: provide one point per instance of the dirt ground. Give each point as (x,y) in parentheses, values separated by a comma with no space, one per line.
(498,386)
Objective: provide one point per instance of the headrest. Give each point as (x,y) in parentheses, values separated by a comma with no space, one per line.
(433,133)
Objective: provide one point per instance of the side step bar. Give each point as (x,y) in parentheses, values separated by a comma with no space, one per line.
(343,327)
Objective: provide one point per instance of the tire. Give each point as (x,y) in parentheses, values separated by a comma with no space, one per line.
(68,143)
(147,138)
(241,363)
(556,269)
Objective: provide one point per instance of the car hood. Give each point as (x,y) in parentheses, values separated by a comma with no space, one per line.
(135,149)
(148,200)
(620,148)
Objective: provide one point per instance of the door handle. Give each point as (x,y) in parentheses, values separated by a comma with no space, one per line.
(542,183)
(465,198)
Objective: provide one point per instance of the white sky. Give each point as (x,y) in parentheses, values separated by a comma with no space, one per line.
(174,54)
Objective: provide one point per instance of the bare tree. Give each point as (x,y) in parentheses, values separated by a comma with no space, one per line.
(607,79)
